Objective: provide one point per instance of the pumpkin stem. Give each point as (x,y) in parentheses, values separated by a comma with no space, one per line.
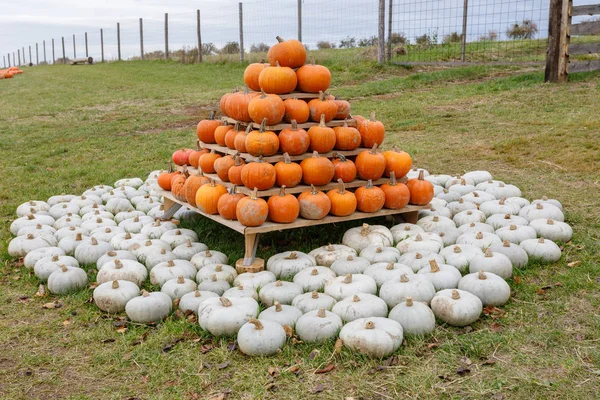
(292,256)
(479,236)
(278,284)
(539,206)
(433,265)
(348,278)
(278,307)
(403,278)
(64,268)
(418,238)
(118,264)
(263,95)
(127,235)
(370,184)
(115,284)
(488,252)
(315,294)
(313,191)
(294,125)
(373,116)
(219,268)
(263,124)
(409,301)
(370,325)
(225,301)
(355,298)
(257,324)
(254,195)
(350,258)
(330,247)
(322,121)
(550,221)
(418,256)
(248,128)
(286,158)
(457,249)
(180,279)
(145,293)
(390,266)
(512,227)
(55,258)
(163,251)
(455,295)
(421,175)
(197,293)
(506,243)
(212,114)
(207,253)
(170,263)
(392,178)
(30,236)
(365,230)
(342,187)
(378,250)
(314,272)
(481,275)
(78,237)
(541,239)
(374,149)
(30,216)
(189,241)
(279,39)
(321,313)
(214,278)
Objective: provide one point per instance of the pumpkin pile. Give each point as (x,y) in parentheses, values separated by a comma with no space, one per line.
(9,72)
(285,149)
(374,289)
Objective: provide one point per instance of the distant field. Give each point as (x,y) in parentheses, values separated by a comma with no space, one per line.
(67,128)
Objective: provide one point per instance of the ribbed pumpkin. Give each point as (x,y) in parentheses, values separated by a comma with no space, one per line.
(288,173)
(398,161)
(346,137)
(251,74)
(371,131)
(240,139)
(343,202)
(226,206)
(164,178)
(237,105)
(369,198)
(397,194)
(321,106)
(313,78)
(252,210)
(196,154)
(207,197)
(277,79)
(258,174)
(178,184)
(294,141)
(322,137)
(288,53)
(206,128)
(317,170)
(192,184)
(266,106)
(182,156)
(296,109)
(370,164)
(343,109)
(222,166)
(223,101)
(421,191)
(206,162)
(231,135)
(344,169)
(283,208)
(314,204)
(235,173)
(221,132)
(262,142)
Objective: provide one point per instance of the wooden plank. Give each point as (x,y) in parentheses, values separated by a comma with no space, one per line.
(298,95)
(585,28)
(584,48)
(278,127)
(590,9)
(584,66)
(78,61)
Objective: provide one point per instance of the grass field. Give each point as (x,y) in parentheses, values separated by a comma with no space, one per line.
(65,129)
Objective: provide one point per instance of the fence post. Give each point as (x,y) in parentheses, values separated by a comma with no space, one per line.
(101,45)
(299,20)
(199,36)
(241,33)
(63,48)
(74,49)
(30,60)
(119,40)
(19,54)
(381,33)
(557,57)
(4,61)
(166,36)
(389,43)
(37,55)
(53,56)
(463,49)
(24,57)
(9,60)
(142,38)
(45,60)
(87,54)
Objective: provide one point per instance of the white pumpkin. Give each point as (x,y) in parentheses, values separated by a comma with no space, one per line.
(254,280)
(464,187)
(468,216)
(520,201)
(150,246)
(30,220)
(113,255)
(99,222)
(261,337)
(318,325)
(416,260)
(435,202)
(438,179)
(157,212)
(348,285)
(437,210)
(287,264)
(36,230)
(460,255)
(149,307)
(360,237)
(32,207)
(214,285)
(133,182)
(442,276)
(69,231)
(123,241)
(47,265)
(106,234)
(516,254)
(66,280)
(280,291)
(115,205)
(483,240)
(223,271)
(112,296)
(327,255)
(208,257)
(539,210)
(449,236)
(156,229)
(499,207)
(415,172)
(88,252)
(541,249)
(34,256)
(222,316)
(175,237)
(491,289)
(415,317)
(170,270)
(497,221)
(416,286)
(189,249)
(384,272)
(374,336)
(190,302)
(241,291)
(378,254)
(83,201)
(478,197)
(94,211)
(435,223)
(461,205)
(145,205)
(350,265)
(496,263)
(546,200)
(449,196)
(360,305)
(502,190)
(313,301)
(159,256)
(21,245)
(478,176)
(421,242)
(62,209)
(135,224)
(516,233)
(125,215)
(177,287)
(69,243)
(314,278)
(127,270)
(282,314)
(554,230)
(98,190)
(61,198)
(456,307)
(476,227)
(406,230)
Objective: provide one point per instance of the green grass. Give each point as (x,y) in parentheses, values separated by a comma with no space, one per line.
(66,128)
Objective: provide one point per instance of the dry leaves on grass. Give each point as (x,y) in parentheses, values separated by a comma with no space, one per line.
(52,305)
(574,264)
(326,369)
(318,389)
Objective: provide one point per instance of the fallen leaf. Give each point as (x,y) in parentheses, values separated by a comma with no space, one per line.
(41,291)
(273,371)
(52,305)
(289,331)
(325,370)
(493,312)
(337,348)
(271,386)
(23,298)
(558,284)
(574,264)
(468,329)
(495,327)
(192,319)
(489,361)
(206,348)
(318,389)
(313,354)
(19,263)
(580,247)
(107,340)
(541,292)
(93,285)
(391,361)
(462,370)
(178,314)
(294,369)
(295,340)
(517,280)
(466,361)
(67,321)
(223,365)
(433,345)
(232,346)
(121,330)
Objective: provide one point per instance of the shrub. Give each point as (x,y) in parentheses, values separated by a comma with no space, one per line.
(525,30)
(490,37)
(259,48)
(231,48)
(453,37)
(426,40)
(209,48)
(366,42)
(323,44)
(398,39)
(348,43)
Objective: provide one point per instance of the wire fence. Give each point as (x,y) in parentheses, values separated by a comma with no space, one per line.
(421,31)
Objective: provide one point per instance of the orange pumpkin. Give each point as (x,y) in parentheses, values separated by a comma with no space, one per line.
(237,105)
(314,204)
(222,166)
(371,131)
(235,173)
(397,161)
(221,132)
(294,141)
(288,53)
(313,78)
(262,142)
(269,106)
(288,173)
(206,162)
(192,184)
(252,210)
(258,174)
(370,164)
(343,203)
(182,156)
(283,208)
(178,184)
(344,169)
(322,106)
(346,137)
(296,110)
(239,143)
(343,109)
(369,198)
(421,191)
(223,101)
(397,194)
(226,206)
(322,137)
(196,154)
(231,135)
(317,170)
(277,80)
(251,74)
(164,178)
(207,197)
(206,128)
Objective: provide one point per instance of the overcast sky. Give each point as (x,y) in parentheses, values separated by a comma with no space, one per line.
(27,22)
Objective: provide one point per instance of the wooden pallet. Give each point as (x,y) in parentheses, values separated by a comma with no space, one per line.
(305,125)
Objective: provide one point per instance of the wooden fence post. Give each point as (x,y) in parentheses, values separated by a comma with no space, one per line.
(463,47)
(45,60)
(142,38)
(390,20)
(87,54)
(299,20)
(19,54)
(24,60)
(199,36)
(381,33)
(63,49)
(9,60)
(30,60)
(166,36)
(119,40)
(74,50)
(37,55)
(241,33)
(4,61)
(557,57)
(53,56)
(101,45)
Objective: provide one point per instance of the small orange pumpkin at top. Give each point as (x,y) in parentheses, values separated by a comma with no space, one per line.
(206,162)
(322,137)
(288,53)
(237,105)
(344,169)
(313,78)
(296,109)
(277,80)
(317,170)
(320,106)
(346,137)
